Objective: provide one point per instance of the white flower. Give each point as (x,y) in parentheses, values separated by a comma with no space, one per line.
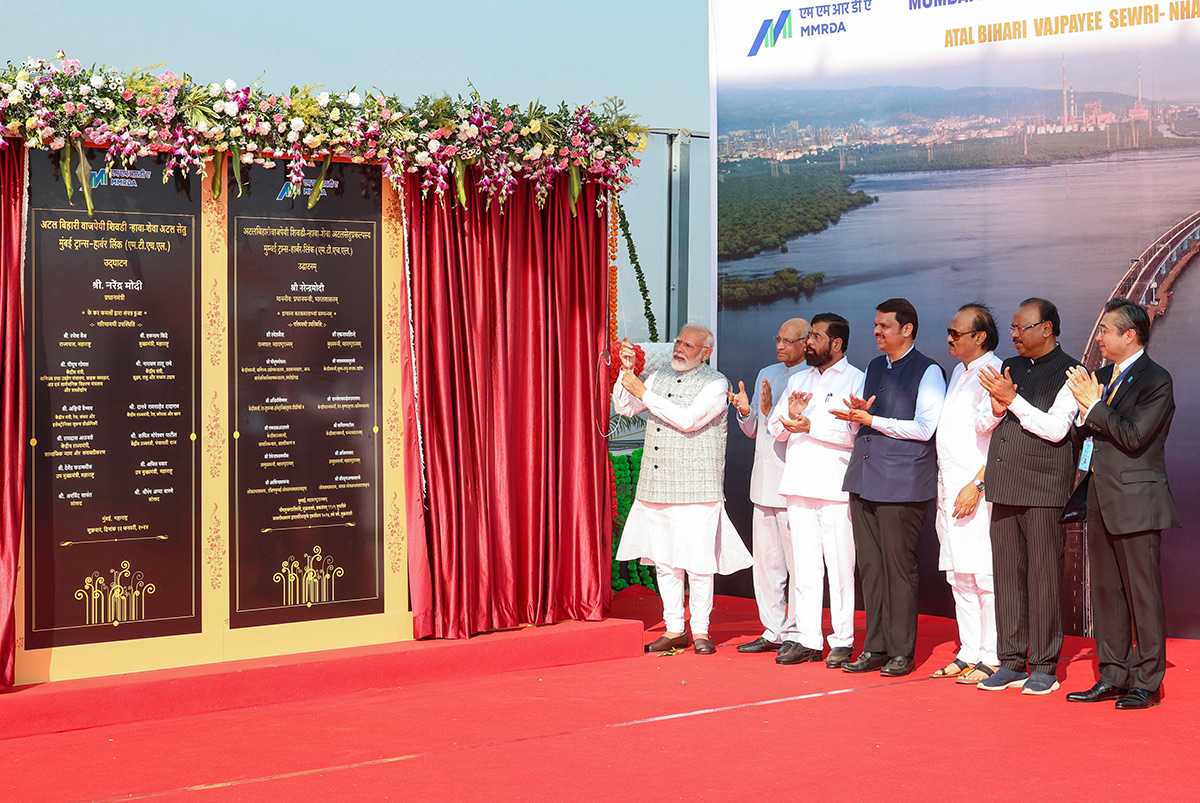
(410,149)
(218,106)
(214,89)
(323,99)
(293,136)
(83,90)
(57,143)
(461,111)
(230,85)
(252,146)
(263,128)
(247,158)
(231,109)
(353,99)
(202,126)
(534,154)
(281,127)
(423,159)
(96,81)
(297,124)
(434,145)
(308,140)
(15,97)
(467,131)
(270,163)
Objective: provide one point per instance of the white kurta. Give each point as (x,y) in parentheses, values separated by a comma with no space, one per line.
(696,536)
(769,453)
(963,434)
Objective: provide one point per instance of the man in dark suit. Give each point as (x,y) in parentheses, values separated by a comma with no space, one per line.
(1030,467)
(1125,409)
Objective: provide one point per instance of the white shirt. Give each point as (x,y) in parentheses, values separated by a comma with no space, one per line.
(930,394)
(708,404)
(816,460)
(1050,425)
(964,432)
(768,452)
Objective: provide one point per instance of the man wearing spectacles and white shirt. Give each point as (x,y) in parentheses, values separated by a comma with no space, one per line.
(818,449)
(771,539)
(678,522)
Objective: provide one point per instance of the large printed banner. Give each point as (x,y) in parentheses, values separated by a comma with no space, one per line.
(307,539)
(951,152)
(111,518)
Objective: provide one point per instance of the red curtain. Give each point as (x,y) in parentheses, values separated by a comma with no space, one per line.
(508,317)
(12,397)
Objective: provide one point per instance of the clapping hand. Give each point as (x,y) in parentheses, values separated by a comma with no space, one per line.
(740,400)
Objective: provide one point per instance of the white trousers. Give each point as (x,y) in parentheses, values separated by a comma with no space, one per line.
(670,588)
(772,546)
(975,609)
(823,544)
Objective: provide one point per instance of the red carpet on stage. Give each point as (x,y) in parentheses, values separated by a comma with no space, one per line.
(574,712)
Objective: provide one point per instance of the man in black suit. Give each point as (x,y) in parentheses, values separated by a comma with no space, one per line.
(1125,409)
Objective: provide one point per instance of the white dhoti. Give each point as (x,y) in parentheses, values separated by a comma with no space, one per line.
(694,538)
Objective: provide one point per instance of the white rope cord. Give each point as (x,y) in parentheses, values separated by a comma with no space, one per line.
(412,340)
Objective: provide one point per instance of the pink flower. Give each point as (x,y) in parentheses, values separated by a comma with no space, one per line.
(507,111)
(507,127)
(277,118)
(263,106)
(286,100)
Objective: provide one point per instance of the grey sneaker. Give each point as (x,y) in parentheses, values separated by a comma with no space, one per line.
(1040,683)
(1003,678)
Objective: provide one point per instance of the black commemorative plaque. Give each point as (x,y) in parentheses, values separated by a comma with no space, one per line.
(112,354)
(306,538)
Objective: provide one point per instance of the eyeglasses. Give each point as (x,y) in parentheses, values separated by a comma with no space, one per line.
(955,334)
(1016,330)
(788,341)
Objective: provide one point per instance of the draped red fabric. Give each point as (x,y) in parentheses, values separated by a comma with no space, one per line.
(508,318)
(12,398)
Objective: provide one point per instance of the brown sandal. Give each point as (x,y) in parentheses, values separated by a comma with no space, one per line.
(978,673)
(952,669)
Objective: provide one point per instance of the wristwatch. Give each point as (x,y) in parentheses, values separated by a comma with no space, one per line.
(978,483)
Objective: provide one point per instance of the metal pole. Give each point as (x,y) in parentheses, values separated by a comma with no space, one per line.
(678,229)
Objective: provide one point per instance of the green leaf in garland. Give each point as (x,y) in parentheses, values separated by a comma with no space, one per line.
(64,168)
(315,195)
(574,187)
(218,171)
(237,168)
(459,170)
(84,172)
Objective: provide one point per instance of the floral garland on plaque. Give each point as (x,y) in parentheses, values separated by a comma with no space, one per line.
(62,105)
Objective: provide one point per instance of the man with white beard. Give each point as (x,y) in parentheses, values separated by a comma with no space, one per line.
(678,522)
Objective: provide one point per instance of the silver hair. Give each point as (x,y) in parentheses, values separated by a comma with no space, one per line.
(709,340)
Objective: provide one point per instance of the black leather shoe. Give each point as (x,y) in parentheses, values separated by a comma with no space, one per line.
(760,644)
(838,656)
(703,645)
(898,667)
(662,643)
(1139,698)
(798,655)
(867,662)
(1099,693)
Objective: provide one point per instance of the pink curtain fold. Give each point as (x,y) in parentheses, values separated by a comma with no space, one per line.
(508,317)
(12,398)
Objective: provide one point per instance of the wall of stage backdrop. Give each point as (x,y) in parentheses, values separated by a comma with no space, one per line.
(951,152)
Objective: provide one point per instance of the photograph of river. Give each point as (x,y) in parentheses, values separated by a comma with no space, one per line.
(1064,231)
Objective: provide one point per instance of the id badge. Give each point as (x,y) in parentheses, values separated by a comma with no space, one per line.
(1085,455)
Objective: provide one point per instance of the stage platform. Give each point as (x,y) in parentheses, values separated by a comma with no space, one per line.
(94,702)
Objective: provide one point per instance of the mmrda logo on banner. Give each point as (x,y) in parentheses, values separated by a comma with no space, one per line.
(771,32)
(117,178)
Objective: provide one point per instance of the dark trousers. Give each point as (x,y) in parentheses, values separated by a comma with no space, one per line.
(885,542)
(1027,561)
(1125,582)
